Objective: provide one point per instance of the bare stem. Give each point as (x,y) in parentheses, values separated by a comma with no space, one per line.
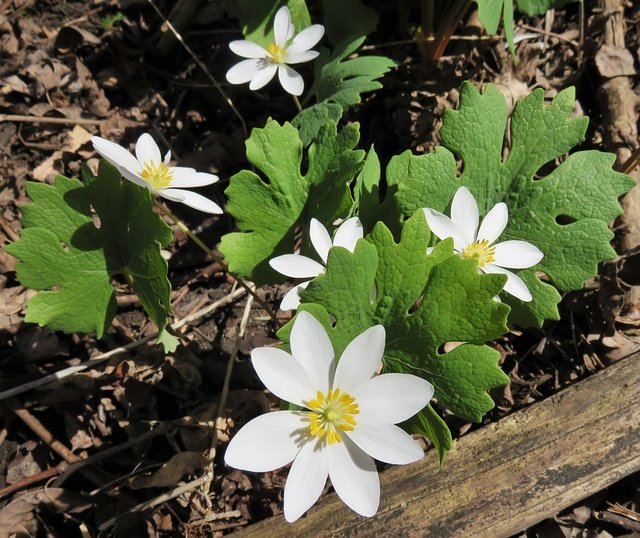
(297,102)
(165,210)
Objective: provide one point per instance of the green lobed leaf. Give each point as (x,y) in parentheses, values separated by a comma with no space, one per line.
(338,85)
(59,255)
(267,212)
(257,18)
(565,214)
(70,261)
(445,288)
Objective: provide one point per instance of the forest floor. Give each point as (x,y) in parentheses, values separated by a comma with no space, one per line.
(73,69)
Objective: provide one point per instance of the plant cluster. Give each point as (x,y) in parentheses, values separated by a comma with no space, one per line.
(407,274)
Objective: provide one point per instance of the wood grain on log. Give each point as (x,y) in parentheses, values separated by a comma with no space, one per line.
(504,477)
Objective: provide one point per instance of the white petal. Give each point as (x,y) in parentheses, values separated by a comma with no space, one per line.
(291,300)
(517,254)
(306,480)
(494,223)
(320,239)
(147,150)
(283,375)
(290,79)
(282,26)
(360,359)
(296,266)
(268,442)
(247,49)
(393,398)
(300,57)
(311,347)
(188,177)
(354,476)
(167,157)
(515,286)
(263,76)
(306,39)
(443,227)
(385,442)
(348,234)
(464,214)
(244,71)
(116,155)
(192,199)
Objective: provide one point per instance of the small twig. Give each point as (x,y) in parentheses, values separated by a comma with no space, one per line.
(151,503)
(95,458)
(581,33)
(202,66)
(632,162)
(8,230)
(38,428)
(117,351)
(225,387)
(550,34)
(33,479)
(217,258)
(20,118)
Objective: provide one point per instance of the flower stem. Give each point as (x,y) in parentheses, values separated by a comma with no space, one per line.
(295,100)
(217,258)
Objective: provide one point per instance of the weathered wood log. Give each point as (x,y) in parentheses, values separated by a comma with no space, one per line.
(504,477)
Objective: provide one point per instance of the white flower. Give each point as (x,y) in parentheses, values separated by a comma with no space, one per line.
(349,419)
(148,169)
(263,63)
(478,243)
(296,266)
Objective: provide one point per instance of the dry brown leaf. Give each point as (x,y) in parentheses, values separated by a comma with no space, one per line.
(75,139)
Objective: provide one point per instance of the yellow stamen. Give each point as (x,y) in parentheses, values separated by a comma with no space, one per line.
(158,175)
(276,53)
(481,251)
(331,414)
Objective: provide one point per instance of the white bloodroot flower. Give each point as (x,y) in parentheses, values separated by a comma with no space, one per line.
(263,63)
(348,419)
(297,266)
(148,169)
(478,243)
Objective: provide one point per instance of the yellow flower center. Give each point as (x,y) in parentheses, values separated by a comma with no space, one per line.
(276,53)
(481,251)
(158,175)
(331,414)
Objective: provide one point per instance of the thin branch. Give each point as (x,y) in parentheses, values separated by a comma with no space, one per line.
(217,258)
(117,351)
(20,118)
(202,66)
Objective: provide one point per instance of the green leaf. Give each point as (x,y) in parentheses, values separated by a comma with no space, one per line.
(130,237)
(267,212)
(58,251)
(257,18)
(70,261)
(342,81)
(454,304)
(565,214)
(369,202)
(489,14)
(539,7)
(428,423)
(338,84)
(348,19)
